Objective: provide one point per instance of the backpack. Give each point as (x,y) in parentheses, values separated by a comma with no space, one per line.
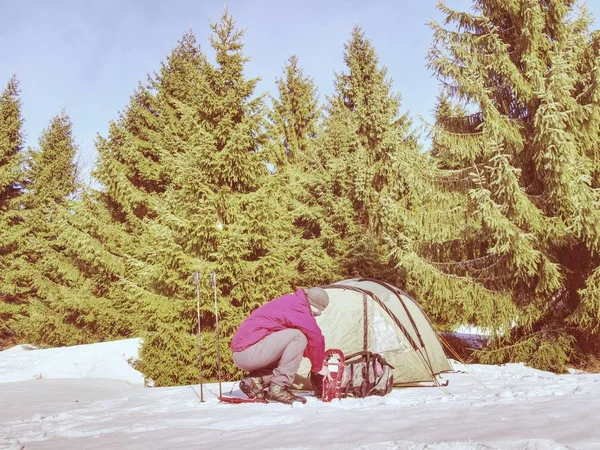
(365,373)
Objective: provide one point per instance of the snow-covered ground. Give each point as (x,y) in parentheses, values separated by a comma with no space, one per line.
(88,397)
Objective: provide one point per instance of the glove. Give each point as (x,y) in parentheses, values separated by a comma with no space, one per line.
(324,372)
(316,381)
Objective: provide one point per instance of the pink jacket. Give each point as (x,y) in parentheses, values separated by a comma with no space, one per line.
(287,311)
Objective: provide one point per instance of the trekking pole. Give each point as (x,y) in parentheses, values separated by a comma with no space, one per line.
(214,283)
(197,282)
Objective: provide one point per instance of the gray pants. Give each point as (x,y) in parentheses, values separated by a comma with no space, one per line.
(276,358)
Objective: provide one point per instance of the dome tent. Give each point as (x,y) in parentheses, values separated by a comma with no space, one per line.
(368,314)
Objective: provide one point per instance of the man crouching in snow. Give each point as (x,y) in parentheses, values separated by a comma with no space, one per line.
(270,344)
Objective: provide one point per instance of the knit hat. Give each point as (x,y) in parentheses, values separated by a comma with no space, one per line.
(318,299)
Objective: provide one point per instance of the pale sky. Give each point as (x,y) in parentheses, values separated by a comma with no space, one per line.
(88,56)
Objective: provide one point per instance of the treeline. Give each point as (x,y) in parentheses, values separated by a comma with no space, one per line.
(497,224)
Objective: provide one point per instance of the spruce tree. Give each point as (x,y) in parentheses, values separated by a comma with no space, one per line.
(510,242)
(52,168)
(11,184)
(11,144)
(368,154)
(185,177)
(295,113)
(52,273)
(225,212)
(294,130)
(134,160)
(136,168)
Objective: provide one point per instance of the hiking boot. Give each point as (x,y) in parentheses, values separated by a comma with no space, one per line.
(282,394)
(252,387)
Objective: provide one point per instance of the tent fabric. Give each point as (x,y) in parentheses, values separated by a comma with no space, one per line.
(368,314)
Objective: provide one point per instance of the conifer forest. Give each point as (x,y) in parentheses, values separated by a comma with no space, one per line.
(493,223)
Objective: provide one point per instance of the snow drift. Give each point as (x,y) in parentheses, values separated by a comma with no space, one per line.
(89,397)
